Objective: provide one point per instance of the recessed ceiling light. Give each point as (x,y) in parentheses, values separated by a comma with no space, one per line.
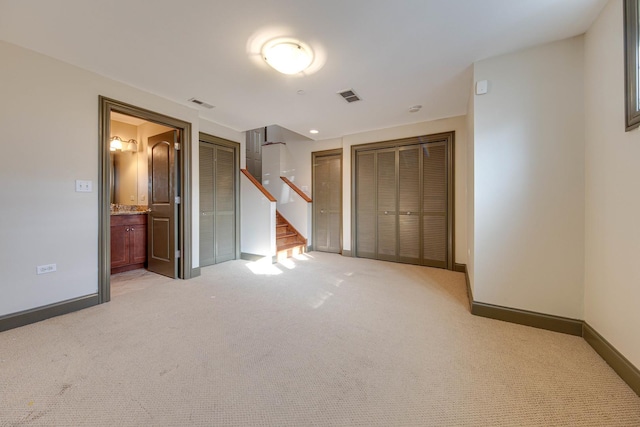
(287,56)
(314,131)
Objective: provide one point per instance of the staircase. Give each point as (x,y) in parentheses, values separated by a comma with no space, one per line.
(289,241)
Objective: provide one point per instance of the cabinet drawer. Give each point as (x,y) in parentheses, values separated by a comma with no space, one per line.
(138,219)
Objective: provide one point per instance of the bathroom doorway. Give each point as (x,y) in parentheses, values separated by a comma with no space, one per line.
(145,212)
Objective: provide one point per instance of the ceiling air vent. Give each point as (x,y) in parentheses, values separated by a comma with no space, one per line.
(200,103)
(349,95)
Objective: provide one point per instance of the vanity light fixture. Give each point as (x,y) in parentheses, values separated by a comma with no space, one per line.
(287,56)
(117,144)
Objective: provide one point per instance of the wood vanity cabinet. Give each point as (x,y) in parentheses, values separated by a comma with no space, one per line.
(128,242)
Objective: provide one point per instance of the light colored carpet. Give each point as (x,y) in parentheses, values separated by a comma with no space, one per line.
(322,340)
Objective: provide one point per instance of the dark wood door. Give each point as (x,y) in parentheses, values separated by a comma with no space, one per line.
(162,225)
(119,245)
(327,202)
(138,243)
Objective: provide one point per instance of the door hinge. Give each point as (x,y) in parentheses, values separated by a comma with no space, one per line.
(177,146)
(178,254)
(177,200)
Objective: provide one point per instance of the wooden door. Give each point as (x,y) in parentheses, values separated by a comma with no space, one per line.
(327,202)
(386,195)
(162,225)
(365,204)
(409,204)
(435,226)
(217,204)
(404,203)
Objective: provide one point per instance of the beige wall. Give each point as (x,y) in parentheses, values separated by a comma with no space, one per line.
(49,119)
(612,278)
(528,150)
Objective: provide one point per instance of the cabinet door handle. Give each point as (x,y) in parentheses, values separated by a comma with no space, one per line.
(386,212)
(408,213)
(131,229)
(126,229)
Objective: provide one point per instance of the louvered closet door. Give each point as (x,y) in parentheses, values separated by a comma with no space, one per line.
(434,204)
(409,204)
(387,199)
(225,211)
(327,203)
(407,189)
(217,204)
(320,205)
(366,205)
(207,154)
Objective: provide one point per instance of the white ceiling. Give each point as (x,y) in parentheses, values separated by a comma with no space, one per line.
(393,53)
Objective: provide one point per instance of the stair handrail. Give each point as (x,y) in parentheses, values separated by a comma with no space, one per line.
(258,185)
(296,189)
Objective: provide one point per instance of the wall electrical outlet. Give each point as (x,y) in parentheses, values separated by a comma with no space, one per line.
(83,186)
(44,269)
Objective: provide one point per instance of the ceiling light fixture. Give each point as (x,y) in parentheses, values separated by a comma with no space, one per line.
(287,56)
(313,131)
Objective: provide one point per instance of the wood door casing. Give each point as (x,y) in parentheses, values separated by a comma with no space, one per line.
(161,235)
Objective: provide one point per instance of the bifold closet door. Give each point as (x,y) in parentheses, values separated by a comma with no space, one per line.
(327,203)
(434,205)
(386,194)
(402,204)
(207,203)
(217,204)
(366,205)
(225,209)
(409,205)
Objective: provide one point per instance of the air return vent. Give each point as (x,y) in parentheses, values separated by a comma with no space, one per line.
(349,95)
(200,103)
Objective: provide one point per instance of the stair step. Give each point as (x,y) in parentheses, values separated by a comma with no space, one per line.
(288,241)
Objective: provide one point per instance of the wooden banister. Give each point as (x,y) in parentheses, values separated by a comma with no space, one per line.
(296,189)
(258,185)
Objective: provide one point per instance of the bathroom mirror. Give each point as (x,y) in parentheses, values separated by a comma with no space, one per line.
(129,164)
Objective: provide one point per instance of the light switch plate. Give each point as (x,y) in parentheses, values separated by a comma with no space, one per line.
(83,186)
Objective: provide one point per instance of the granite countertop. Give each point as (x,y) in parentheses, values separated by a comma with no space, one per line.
(129,209)
(129,212)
